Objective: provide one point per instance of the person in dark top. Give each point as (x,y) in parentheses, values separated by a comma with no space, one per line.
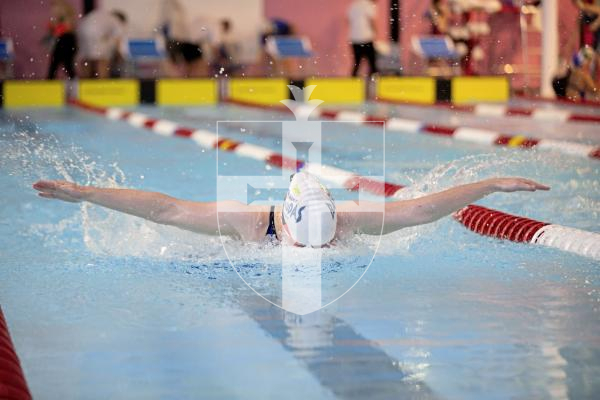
(439,14)
(589,22)
(362,33)
(62,31)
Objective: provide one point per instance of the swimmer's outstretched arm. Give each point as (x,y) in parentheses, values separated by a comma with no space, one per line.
(200,217)
(426,209)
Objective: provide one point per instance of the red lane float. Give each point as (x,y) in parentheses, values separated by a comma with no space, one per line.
(12,380)
(479,219)
(501,225)
(473,135)
(500,110)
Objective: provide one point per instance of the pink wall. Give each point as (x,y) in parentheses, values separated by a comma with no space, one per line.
(323,21)
(326,26)
(26,21)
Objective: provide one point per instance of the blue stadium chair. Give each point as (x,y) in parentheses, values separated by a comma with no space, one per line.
(281,47)
(435,47)
(440,53)
(6,56)
(143,56)
(145,49)
(6,49)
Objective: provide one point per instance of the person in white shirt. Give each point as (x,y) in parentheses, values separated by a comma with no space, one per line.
(99,34)
(361,19)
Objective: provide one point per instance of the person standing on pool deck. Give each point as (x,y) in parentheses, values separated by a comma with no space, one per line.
(99,35)
(182,48)
(61,30)
(308,216)
(361,20)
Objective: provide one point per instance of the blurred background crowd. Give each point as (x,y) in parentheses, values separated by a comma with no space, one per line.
(178,38)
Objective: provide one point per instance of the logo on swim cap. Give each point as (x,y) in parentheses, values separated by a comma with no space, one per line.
(309,215)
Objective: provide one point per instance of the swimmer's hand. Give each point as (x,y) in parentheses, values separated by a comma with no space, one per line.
(61,190)
(515,185)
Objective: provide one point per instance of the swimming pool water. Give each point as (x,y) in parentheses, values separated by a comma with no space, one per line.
(106,306)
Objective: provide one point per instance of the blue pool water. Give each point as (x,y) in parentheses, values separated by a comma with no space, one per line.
(106,306)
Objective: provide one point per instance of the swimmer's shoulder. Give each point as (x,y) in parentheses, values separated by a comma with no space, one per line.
(253,223)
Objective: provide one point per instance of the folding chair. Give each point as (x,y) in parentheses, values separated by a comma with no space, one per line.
(143,56)
(437,48)
(6,58)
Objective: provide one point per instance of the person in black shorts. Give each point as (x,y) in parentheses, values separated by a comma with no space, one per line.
(183,51)
(61,34)
(181,44)
(361,28)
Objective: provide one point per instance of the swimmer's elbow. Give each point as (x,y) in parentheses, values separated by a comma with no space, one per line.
(190,216)
(408,213)
(168,213)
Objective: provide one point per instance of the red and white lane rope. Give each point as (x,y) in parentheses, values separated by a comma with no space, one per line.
(503,110)
(473,135)
(501,225)
(553,236)
(12,380)
(582,103)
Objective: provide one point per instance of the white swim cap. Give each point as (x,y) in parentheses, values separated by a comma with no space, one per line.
(308,214)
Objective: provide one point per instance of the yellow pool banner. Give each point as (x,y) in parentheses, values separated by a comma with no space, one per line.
(186,92)
(409,89)
(338,90)
(110,92)
(264,91)
(472,89)
(33,94)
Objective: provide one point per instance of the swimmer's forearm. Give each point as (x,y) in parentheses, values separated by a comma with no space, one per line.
(152,206)
(199,217)
(432,207)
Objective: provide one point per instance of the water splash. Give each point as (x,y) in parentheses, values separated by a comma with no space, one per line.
(30,154)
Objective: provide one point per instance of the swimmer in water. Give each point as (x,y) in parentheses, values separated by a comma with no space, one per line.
(308,216)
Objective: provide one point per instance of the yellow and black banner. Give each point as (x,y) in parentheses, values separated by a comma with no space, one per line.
(110,92)
(338,90)
(33,94)
(263,91)
(477,89)
(409,89)
(186,92)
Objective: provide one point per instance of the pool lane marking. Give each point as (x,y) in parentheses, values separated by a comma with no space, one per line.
(479,219)
(464,134)
(342,360)
(502,110)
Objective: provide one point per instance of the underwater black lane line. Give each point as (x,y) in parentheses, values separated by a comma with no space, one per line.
(341,359)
